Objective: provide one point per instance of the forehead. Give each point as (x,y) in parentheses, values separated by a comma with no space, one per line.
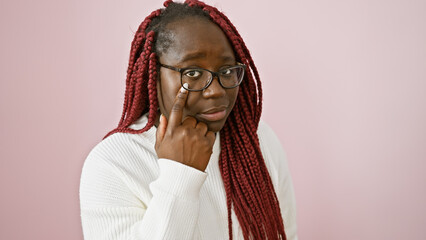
(195,38)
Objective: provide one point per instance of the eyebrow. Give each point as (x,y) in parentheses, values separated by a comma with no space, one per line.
(194,56)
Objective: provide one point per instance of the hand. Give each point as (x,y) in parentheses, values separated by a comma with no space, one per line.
(188,141)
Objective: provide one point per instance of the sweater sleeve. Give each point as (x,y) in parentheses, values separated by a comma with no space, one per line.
(110,210)
(280,171)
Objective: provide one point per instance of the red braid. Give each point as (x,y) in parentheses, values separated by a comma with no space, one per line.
(247,163)
(141,76)
(248,186)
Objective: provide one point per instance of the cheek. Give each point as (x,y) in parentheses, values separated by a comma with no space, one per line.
(233,94)
(167,88)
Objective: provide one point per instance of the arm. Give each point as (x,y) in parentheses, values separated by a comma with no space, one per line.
(287,200)
(110,210)
(174,207)
(279,171)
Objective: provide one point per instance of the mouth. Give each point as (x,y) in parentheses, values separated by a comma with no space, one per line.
(213,114)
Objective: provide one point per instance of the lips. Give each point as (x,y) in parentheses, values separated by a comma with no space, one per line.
(214,114)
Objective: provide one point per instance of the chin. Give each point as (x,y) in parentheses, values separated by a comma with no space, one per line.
(216,126)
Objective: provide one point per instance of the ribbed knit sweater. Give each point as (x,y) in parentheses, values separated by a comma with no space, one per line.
(127,193)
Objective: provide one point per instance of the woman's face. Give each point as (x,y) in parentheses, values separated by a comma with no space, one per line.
(197,43)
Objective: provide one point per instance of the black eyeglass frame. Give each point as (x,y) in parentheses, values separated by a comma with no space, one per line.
(214,74)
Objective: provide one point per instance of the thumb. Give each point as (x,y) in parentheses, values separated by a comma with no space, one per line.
(161,130)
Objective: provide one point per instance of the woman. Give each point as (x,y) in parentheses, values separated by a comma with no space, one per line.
(189,158)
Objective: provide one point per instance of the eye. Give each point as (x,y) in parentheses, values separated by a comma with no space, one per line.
(193,73)
(226,71)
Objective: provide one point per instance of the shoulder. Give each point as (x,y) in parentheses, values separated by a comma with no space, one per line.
(124,146)
(268,140)
(272,150)
(121,160)
(276,162)
(265,132)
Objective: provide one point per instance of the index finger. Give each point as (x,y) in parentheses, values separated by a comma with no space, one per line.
(175,117)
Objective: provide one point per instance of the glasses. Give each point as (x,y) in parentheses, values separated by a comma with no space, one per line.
(199,79)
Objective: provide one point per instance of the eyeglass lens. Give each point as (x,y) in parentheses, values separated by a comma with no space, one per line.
(197,79)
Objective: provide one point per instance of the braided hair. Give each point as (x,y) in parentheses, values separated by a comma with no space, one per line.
(248,186)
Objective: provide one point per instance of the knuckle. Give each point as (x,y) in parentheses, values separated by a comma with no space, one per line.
(202,125)
(168,134)
(206,141)
(181,96)
(190,119)
(185,132)
(199,131)
(176,108)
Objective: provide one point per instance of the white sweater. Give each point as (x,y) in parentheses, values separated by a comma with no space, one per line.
(127,193)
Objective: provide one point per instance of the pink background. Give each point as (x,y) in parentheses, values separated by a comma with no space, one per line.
(344,85)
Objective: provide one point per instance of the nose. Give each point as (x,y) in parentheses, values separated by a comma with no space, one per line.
(215,90)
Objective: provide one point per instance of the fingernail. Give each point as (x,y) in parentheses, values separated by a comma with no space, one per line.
(161,117)
(182,89)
